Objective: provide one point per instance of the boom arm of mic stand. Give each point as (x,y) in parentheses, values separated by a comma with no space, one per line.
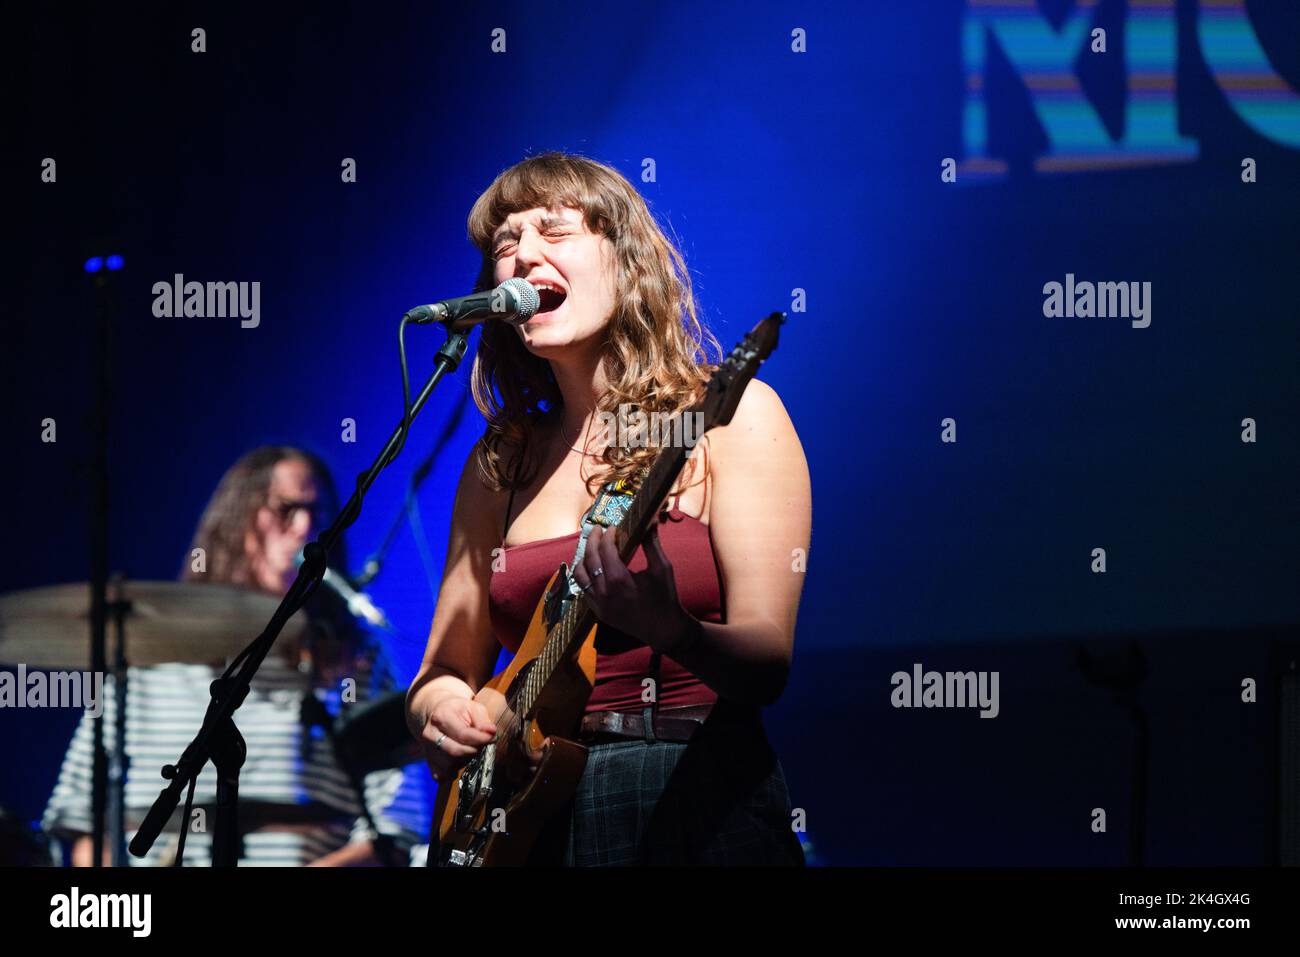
(374,564)
(231,694)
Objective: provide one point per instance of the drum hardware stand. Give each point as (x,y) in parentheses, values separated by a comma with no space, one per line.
(108,779)
(117,765)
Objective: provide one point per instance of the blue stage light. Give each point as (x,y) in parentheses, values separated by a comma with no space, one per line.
(115,263)
(94,264)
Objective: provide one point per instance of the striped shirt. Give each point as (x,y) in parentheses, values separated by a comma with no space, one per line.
(288,763)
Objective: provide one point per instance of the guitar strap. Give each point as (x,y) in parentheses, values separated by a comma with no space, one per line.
(611,504)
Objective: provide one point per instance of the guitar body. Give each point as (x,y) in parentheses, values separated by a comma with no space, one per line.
(491,813)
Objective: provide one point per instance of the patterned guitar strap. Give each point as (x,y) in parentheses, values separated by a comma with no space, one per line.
(609,508)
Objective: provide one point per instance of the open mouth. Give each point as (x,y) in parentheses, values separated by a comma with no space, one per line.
(551,300)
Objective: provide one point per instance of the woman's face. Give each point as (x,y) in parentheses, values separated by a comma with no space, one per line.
(554,246)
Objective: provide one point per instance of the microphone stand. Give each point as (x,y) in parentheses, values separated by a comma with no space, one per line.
(218,739)
(375,563)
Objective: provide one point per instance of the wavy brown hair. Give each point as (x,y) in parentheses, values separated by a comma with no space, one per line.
(657,354)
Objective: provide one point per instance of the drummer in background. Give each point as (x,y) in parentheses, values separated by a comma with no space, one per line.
(266,508)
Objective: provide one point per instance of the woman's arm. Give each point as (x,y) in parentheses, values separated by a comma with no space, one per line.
(760,520)
(461,651)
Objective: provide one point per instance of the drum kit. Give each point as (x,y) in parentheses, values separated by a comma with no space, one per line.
(159,622)
(106,625)
(68,626)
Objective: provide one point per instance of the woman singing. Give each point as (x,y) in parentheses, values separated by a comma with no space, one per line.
(703,616)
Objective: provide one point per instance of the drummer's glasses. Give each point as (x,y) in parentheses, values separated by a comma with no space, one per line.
(286,511)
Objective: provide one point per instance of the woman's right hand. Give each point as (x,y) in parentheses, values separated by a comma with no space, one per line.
(454,732)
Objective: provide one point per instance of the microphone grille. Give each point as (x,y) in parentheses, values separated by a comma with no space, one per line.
(526,297)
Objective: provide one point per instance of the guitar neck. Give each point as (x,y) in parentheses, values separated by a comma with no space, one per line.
(641,513)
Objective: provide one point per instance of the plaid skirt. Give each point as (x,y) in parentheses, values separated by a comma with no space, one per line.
(719,799)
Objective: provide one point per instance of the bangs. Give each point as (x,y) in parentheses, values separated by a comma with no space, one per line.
(549,181)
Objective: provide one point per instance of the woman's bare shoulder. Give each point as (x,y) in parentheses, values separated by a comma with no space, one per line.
(477,502)
(760,419)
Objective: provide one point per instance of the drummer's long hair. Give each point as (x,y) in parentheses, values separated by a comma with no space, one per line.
(232,511)
(657,352)
(335,637)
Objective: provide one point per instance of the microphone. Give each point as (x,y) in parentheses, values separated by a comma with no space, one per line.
(358,602)
(515,301)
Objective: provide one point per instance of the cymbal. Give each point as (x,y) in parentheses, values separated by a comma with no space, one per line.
(186,622)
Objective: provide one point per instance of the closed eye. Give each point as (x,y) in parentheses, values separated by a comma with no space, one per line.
(507,248)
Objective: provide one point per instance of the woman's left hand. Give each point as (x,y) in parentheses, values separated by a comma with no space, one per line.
(641,604)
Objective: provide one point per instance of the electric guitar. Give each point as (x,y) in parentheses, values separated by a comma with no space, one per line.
(492,812)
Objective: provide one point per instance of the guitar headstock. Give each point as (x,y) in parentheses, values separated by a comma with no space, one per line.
(730,378)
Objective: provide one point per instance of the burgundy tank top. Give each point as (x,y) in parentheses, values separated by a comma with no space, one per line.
(622,662)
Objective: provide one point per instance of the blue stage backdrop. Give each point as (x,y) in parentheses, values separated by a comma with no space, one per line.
(906,181)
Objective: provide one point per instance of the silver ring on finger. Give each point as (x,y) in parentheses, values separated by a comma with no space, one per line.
(438,744)
(597,572)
